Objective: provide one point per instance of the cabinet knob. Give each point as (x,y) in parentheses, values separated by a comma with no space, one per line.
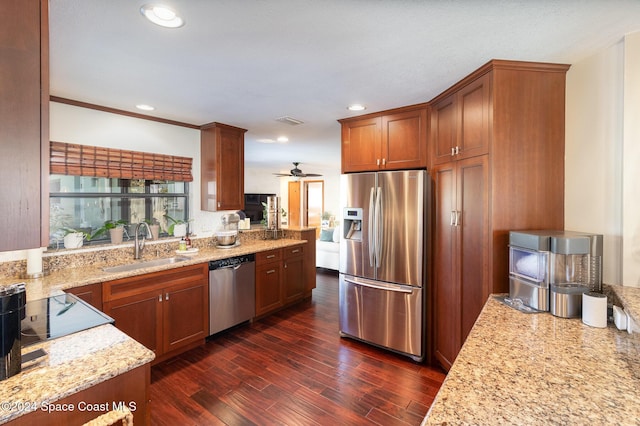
(271,271)
(166,296)
(377,161)
(384,161)
(159,298)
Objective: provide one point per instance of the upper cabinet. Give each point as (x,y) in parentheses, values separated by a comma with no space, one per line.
(390,140)
(222,167)
(24,123)
(460,122)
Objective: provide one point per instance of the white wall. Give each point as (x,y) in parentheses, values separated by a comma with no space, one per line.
(598,164)
(91,127)
(631,163)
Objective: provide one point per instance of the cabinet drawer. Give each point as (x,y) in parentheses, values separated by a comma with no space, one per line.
(125,287)
(293,251)
(268,256)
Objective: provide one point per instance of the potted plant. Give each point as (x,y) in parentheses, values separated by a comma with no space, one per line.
(74,238)
(177,228)
(154,226)
(115,229)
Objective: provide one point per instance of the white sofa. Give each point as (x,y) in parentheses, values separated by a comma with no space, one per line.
(328,249)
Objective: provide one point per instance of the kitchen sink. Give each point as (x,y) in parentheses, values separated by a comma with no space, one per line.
(146,264)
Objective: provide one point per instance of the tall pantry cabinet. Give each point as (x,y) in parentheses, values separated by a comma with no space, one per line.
(497,155)
(24,123)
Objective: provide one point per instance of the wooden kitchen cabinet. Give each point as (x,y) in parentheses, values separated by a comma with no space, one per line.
(293,274)
(281,278)
(390,140)
(91,293)
(24,124)
(461,238)
(167,311)
(460,122)
(131,389)
(507,175)
(222,167)
(268,281)
(309,260)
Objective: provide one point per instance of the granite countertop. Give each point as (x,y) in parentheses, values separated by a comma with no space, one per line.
(78,361)
(61,280)
(72,363)
(517,368)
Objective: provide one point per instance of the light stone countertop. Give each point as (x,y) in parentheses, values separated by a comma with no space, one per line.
(84,359)
(517,368)
(61,280)
(72,363)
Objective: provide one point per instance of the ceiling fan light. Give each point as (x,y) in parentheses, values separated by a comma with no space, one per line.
(145,107)
(283,139)
(162,15)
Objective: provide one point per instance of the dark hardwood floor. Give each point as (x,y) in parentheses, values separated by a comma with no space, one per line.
(292,368)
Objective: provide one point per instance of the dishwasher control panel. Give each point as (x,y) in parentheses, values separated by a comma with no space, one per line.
(231,261)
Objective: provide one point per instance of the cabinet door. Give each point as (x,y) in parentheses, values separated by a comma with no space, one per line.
(222,167)
(140,317)
(309,260)
(446,307)
(404,140)
(473,240)
(443,130)
(230,184)
(293,278)
(24,131)
(474,109)
(268,287)
(361,145)
(92,294)
(185,314)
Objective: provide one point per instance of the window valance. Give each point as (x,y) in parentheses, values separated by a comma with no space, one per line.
(85,160)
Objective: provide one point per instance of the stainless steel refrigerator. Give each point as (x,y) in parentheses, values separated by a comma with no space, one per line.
(382,259)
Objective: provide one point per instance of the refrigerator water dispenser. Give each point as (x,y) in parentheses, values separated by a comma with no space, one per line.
(352,229)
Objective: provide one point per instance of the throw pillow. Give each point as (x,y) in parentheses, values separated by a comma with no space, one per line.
(326,234)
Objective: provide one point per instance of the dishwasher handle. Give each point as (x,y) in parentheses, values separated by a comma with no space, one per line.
(231,262)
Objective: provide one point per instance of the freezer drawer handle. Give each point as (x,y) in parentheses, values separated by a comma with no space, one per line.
(379,287)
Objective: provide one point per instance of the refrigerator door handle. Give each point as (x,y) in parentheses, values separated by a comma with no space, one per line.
(388,287)
(379,227)
(370,225)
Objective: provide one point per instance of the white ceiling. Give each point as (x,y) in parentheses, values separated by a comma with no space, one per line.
(248,62)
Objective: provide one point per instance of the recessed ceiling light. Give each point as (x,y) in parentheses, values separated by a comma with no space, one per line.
(265,140)
(145,107)
(356,107)
(283,139)
(162,15)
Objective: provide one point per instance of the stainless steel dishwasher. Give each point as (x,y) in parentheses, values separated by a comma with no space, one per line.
(232,292)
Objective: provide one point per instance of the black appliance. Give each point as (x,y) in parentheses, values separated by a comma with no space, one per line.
(253,207)
(12,302)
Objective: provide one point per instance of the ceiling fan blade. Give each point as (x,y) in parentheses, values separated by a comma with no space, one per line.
(312,175)
(282,174)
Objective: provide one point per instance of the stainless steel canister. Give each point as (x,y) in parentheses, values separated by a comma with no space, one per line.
(565,299)
(12,303)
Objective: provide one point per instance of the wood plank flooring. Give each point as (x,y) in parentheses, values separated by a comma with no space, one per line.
(292,368)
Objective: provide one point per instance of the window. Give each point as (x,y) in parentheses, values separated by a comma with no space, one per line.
(84,203)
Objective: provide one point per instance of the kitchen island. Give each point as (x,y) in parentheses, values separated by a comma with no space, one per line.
(79,377)
(517,368)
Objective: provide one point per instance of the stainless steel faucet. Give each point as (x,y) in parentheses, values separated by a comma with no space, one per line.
(138,246)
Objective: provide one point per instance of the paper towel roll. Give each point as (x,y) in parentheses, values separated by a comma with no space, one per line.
(34,261)
(594,309)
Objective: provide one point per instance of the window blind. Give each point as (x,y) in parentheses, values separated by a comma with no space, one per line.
(85,160)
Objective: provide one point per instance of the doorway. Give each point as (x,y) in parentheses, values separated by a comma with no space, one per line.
(313,204)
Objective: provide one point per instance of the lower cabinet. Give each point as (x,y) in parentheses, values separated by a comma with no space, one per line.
(91,293)
(130,389)
(280,278)
(166,311)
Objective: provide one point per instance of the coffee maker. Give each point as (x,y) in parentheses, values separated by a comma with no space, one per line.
(549,270)
(12,312)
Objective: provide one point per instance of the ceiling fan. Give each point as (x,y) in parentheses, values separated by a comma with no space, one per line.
(296,172)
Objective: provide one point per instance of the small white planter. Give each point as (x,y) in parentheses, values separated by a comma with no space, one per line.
(73,240)
(116,234)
